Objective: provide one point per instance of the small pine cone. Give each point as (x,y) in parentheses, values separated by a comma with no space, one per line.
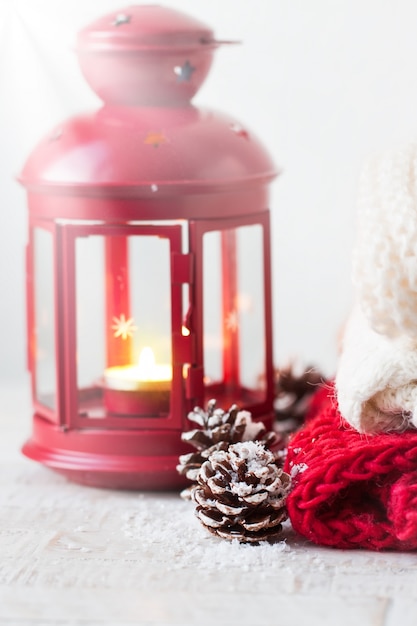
(293,393)
(241,493)
(217,430)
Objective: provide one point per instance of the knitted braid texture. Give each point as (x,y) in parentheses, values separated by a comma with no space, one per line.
(351,490)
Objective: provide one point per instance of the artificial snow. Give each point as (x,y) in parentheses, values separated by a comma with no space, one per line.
(178,540)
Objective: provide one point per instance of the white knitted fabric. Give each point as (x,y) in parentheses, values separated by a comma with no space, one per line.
(376,380)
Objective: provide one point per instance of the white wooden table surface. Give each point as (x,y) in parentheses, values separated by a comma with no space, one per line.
(73,555)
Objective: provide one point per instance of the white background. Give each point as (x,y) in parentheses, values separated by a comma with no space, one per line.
(323,83)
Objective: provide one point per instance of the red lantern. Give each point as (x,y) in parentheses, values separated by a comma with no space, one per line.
(148,259)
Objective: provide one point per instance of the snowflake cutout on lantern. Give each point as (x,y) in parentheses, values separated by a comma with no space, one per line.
(184,72)
(231,321)
(123,327)
(155,139)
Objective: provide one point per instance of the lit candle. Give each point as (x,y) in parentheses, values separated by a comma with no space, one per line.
(147,375)
(138,389)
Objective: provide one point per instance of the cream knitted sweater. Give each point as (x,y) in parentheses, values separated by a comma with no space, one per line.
(376,379)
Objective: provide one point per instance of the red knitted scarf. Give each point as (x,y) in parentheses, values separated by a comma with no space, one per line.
(352,490)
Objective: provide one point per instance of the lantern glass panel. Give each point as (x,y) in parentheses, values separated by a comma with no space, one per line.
(124,352)
(150,287)
(212,297)
(250,305)
(90,318)
(44,327)
(234,314)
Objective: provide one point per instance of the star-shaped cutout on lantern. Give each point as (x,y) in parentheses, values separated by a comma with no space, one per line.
(239,131)
(121,18)
(184,72)
(57,134)
(155,138)
(123,327)
(231,321)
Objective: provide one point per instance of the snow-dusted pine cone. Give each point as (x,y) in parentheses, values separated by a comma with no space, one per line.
(217,430)
(241,493)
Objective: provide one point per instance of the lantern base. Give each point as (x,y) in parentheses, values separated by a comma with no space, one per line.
(134,460)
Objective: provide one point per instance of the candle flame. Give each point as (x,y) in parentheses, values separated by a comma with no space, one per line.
(148,369)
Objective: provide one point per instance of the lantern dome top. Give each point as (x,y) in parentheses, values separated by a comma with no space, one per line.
(146,62)
(136,151)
